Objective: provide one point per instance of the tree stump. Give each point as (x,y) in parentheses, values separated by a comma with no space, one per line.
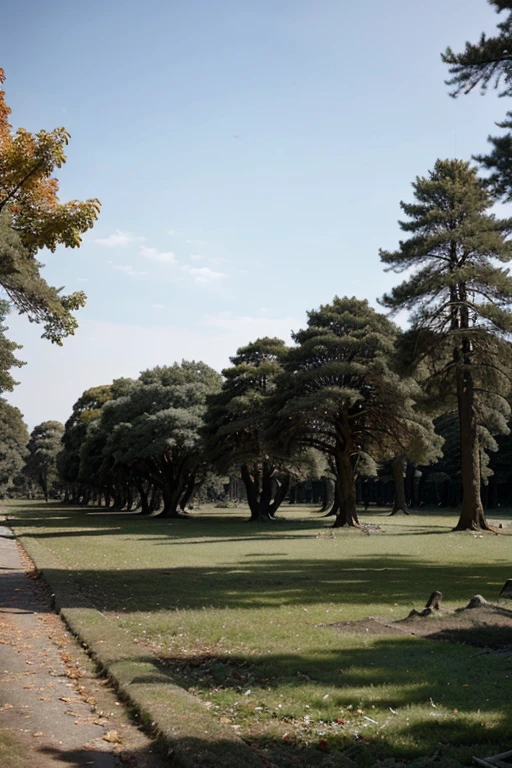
(434,601)
(506,590)
(477,601)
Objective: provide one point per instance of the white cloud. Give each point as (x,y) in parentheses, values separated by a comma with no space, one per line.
(219,260)
(171,231)
(128,269)
(118,238)
(83,279)
(158,306)
(203,274)
(197,242)
(215,261)
(164,257)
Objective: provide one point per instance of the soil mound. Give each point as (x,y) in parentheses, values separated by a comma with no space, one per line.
(486,626)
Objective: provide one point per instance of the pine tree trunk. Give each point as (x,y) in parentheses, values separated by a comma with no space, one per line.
(145,509)
(327,494)
(399,504)
(280,490)
(187,493)
(252,492)
(170,498)
(156,499)
(410,485)
(258,486)
(472,516)
(347,512)
(333,512)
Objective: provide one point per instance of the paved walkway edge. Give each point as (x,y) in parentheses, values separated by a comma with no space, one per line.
(191,736)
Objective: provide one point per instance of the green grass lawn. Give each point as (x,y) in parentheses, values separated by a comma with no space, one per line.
(240,615)
(13,754)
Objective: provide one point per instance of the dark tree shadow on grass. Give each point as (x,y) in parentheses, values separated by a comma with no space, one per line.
(459,698)
(209,525)
(393,582)
(389,678)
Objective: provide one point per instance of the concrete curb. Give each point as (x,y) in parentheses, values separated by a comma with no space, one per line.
(192,737)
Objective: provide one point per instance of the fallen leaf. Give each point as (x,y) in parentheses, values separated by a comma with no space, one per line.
(112,737)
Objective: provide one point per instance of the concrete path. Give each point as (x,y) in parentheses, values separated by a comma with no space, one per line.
(51,701)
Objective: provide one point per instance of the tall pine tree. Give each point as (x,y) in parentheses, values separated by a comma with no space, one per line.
(340,395)
(460,300)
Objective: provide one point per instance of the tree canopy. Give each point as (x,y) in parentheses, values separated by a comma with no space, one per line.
(32,218)
(7,349)
(340,395)
(489,62)
(43,449)
(155,426)
(236,427)
(13,446)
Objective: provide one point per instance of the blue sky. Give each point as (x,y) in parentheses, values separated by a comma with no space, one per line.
(250,156)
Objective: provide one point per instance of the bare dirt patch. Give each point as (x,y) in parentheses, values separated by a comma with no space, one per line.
(488,626)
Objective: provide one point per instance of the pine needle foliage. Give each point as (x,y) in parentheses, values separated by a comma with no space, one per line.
(236,434)
(489,63)
(340,395)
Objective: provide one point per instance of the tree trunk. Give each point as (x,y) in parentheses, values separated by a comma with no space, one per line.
(187,493)
(156,498)
(327,494)
(129,497)
(347,512)
(281,488)
(258,486)
(399,504)
(335,502)
(145,508)
(410,485)
(472,516)
(171,497)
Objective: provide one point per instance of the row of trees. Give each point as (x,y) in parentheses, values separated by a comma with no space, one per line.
(352,392)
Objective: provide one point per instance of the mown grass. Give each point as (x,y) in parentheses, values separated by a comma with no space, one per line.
(12,752)
(240,615)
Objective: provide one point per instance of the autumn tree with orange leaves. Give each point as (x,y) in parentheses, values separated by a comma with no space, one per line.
(32,217)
